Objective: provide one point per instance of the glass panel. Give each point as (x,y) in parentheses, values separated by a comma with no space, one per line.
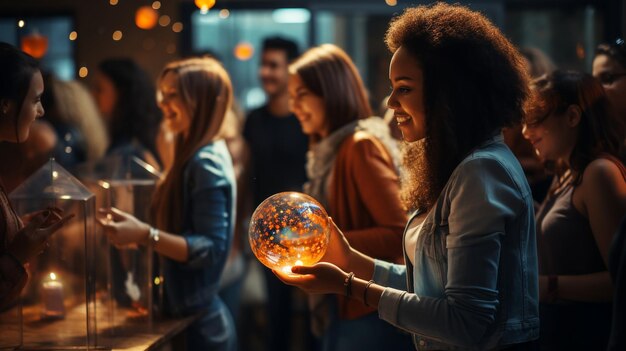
(59,300)
(133,283)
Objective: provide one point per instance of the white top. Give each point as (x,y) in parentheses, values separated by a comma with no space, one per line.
(410,238)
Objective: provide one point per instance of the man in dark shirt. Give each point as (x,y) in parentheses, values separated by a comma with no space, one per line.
(278,156)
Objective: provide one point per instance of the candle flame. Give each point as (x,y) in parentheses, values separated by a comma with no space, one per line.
(53,276)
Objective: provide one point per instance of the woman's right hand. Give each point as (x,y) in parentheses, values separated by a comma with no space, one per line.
(30,240)
(339,250)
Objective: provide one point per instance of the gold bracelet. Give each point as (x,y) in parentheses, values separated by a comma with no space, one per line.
(365,292)
(348,284)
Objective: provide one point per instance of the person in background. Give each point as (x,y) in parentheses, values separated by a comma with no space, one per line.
(72,112)
(538,64)
(193,211)
(352,172)
(470,263)
(568,123)
(609,67)
(617,268)
(277,158)
(125,97)
(21,87)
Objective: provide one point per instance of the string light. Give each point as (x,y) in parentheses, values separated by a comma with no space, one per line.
(73,35)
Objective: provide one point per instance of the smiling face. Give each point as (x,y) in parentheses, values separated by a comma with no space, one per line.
(274,73)
(175,115)
(308,108)
(407,97)
(555,136)
(105,94)
(613,78)
(25,114)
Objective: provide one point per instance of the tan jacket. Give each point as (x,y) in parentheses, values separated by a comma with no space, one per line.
(364,201)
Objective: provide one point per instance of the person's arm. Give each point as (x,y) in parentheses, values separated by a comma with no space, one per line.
(12,280)
(603,193)
(210,214)
(379,190)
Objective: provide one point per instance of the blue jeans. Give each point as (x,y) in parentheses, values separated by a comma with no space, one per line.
(364,334)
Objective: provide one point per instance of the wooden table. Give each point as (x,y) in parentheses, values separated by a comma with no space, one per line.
(119,333)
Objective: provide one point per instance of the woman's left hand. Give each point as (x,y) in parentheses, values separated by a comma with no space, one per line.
(123,229)
(321,278)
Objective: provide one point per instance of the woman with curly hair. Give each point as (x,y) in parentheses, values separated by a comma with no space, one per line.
(569,124)
(470,251)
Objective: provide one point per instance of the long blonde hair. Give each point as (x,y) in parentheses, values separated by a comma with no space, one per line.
(75,105)
(206,91)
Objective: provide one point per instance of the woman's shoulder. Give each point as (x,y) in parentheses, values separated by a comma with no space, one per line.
(211,161)
(492,163)
(604,173)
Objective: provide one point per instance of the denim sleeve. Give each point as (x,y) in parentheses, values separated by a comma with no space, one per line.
(389,274)
(211,212)
(482,197)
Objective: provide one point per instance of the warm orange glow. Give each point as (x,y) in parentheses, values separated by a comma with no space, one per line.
(177,27)
(53,276)
(36,45)
(204,5)
(146,17)
(117,35)
(164,20)
(244,51)
(289,229)
(83,72)
(73,35)
(580,51)
(391,2)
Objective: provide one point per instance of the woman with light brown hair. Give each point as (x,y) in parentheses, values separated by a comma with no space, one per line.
(352,171)
(193,210)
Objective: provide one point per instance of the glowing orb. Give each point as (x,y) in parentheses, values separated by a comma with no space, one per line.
(289,229)
(36,45)
(244,51)
(146,17)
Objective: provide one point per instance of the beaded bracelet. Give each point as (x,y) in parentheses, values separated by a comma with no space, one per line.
(365,292)
(348,284)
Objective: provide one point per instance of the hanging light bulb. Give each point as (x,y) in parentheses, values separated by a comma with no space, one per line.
(35,44)
(204,5)
(244,51)
(146,17)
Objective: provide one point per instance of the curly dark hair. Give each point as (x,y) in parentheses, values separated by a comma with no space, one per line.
(475,83)
(136,114)
(598,132)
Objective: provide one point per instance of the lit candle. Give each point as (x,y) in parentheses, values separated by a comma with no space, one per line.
(52,296)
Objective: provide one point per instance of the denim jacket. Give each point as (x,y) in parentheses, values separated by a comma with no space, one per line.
(474,284)
(208,222)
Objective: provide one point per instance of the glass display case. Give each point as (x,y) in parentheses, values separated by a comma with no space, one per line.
(132,279)
(59,301)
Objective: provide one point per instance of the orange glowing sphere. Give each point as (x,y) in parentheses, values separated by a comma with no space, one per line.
(204,5)
(244,51)
(146,17)
(36,45)
(289,229)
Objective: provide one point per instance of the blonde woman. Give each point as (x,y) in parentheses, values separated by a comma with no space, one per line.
(193,210)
